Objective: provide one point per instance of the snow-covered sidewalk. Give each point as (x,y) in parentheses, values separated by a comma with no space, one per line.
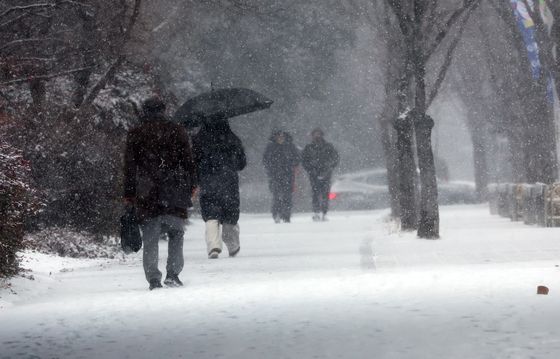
(347,288)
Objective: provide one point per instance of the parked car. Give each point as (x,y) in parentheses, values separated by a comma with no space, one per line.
(368,189)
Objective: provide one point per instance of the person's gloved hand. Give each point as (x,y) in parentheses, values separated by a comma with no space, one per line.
(323,175)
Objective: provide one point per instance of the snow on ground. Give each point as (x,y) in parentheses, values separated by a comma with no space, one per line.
(347,288)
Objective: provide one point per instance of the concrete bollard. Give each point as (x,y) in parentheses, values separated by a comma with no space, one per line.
(503,204)
(529,210)
(539,192)
(493,199)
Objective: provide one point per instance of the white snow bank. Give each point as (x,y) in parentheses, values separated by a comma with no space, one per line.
(40,275)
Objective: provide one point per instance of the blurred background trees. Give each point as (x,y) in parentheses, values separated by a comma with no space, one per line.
(66,90)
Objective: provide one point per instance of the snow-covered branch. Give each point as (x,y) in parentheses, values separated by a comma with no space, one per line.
(26,7)
(45,77)
(110,73)
(451,21)
(449,56)
(28,40)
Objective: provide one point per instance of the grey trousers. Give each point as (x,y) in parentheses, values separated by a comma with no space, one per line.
(229,234)
(152,230)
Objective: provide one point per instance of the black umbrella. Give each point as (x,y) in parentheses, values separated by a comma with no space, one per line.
(220,105)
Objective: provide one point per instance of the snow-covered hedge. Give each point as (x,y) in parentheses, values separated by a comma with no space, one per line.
(18,199)
(68,243)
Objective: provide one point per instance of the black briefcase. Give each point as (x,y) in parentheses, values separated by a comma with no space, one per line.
(131,238)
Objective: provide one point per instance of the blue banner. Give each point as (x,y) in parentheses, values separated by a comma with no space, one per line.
(527,28)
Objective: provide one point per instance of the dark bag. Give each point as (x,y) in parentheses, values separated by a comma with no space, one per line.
(131,239)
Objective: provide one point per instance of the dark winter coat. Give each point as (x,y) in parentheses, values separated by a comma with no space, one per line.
(280,161)
(159,171)
(219,155)
(319,159)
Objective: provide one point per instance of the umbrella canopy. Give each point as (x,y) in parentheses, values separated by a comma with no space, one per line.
(220,105)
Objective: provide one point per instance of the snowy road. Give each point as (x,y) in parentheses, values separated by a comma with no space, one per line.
(348,288)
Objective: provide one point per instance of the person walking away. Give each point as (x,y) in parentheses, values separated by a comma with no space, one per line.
(219,156)
(159,177)
(319,159)
(280,159)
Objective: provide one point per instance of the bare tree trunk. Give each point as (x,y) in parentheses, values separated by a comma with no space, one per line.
(536,131)
(541,145)
(428,225)
(406,166)
(428,216)
(389,151)
(111,71)
(394,70)
(87,44)
(406,172)
(554,7)
(480,163)
(518,155)
(38,94)
(81,80)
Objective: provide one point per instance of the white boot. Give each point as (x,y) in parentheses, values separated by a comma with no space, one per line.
(231,238)
(213,238)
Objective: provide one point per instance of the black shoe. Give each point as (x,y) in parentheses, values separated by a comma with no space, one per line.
(172,280)
(234,253)
(154,284)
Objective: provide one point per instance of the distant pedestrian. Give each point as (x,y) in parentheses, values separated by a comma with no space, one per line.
(280,160)
(319,159)
(219,155)
(159,177)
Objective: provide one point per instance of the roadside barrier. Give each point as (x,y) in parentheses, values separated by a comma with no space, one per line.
(534,204)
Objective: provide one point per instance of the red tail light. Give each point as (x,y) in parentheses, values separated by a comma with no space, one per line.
(332,195)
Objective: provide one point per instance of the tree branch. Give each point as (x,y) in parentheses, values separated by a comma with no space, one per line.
(431,11)
(498,10)
(448,25)
(44,77)
(100,85)
(26,7)
(110,73)
(449,57)
(15,19)
(35,39)
(402,17)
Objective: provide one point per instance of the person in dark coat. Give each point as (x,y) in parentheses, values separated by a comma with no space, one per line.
(159,178)
(219,156)
(280,160)
(319,159)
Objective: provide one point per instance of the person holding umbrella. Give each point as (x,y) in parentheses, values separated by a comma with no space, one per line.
(280,160)
(319,159)
(159,178)
(219,155)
